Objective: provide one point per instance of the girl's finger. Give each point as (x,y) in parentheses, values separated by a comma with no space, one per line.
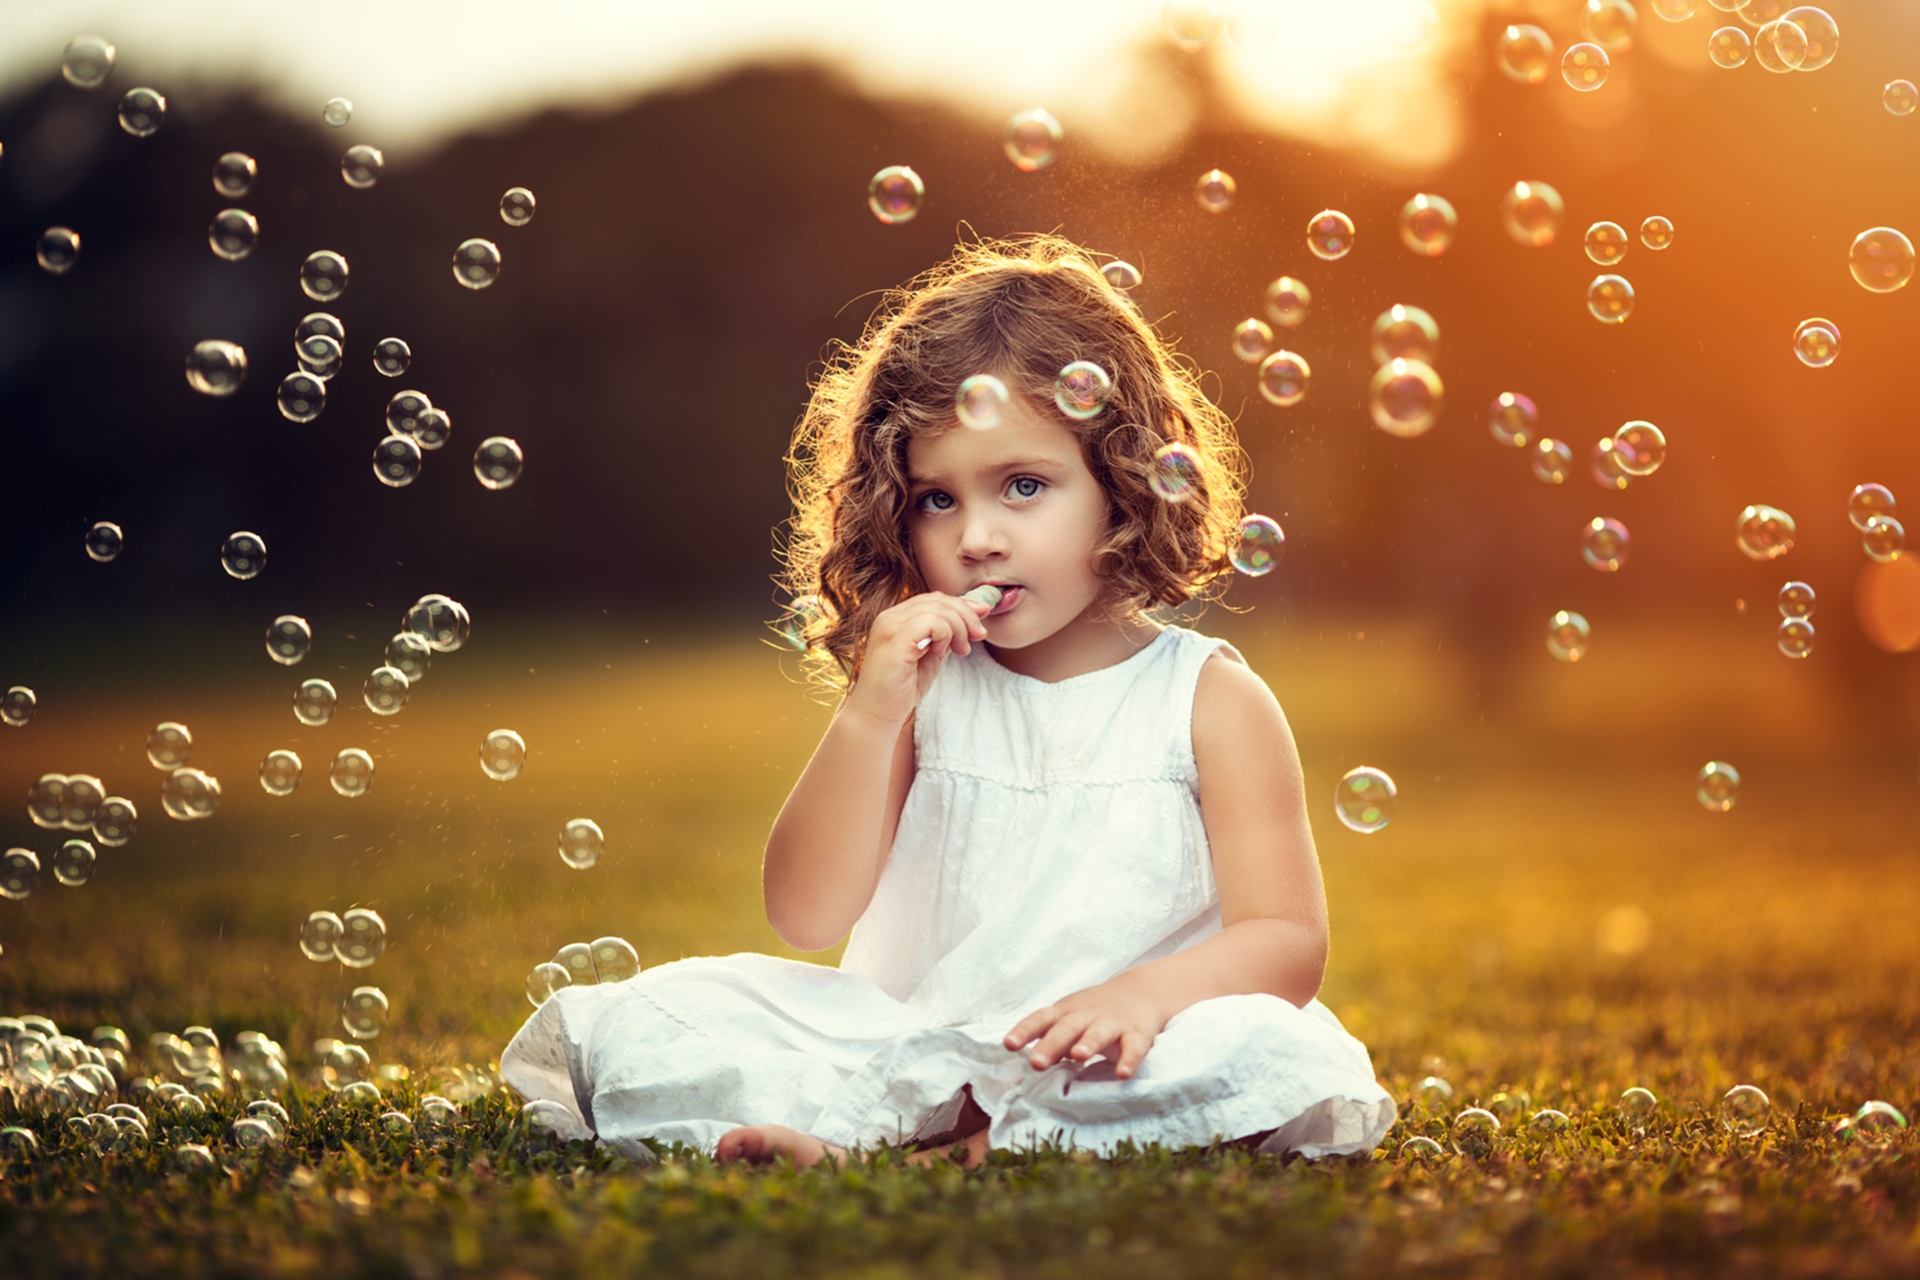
(1097,1038)
(1133,1049)
(1030,1026)
(1054,1043)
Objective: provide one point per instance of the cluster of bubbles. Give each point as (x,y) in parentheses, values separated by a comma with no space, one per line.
(1870,509)
(581,964)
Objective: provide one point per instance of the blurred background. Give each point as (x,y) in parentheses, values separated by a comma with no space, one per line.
(702,237)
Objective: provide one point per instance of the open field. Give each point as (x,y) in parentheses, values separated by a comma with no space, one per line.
(1550,914)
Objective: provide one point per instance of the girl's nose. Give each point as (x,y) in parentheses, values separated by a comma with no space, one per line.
(981,538)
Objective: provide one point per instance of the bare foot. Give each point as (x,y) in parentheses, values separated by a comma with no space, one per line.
(762,1144)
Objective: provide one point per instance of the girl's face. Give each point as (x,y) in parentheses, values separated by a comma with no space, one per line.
(1016,506)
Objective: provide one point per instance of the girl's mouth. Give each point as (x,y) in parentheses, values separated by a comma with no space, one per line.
(1010,596)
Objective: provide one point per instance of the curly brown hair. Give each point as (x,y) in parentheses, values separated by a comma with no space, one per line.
(1021,309)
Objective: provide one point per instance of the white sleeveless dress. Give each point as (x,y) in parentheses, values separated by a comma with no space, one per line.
(1051,840)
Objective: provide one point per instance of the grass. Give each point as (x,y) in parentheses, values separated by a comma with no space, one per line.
(1550,917)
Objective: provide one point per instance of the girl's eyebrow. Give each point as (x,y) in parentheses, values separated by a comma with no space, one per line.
(1015,464)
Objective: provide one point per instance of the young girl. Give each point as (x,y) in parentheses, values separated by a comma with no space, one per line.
(1070,843)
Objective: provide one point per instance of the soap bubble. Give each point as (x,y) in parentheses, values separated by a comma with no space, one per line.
(1568,636)
(440,620)
(1404,398)
(1421,1147)
(1609,23)
(1121,274)
(1189,26)
(337,112)
(73,863)
(1816,342)
(1552,460)
(1214,190)
(1764,532)
(1287,301)
(116,823)
(1475,1133)
(404,410)
(396,461)
(142,111)
(352,772)
(516,207)
(1283,378)
(1428,224)
(170,745)
(1547,1120)
(1743,1111)
(46,800)
(476,263)
(1513,419)
(1032,138)
(581,843)
(87,62)
(1881,259)
(232,234)
(433,428)
(1604,543)
(1729,47)
(1081,390)
(895,194)
(385,691)
(1656,232)
(16,705)
(1585,67)
(1252,340)
(1796,600)
(233,174)
(323,276)
(1525,53)
(188,794)
(81,802)
(361,166)
(1176,471)
(1259,547)
(104,541)
(1364,800)
(1531,213)
(319,322)
(1405,333)
(1639,448)
(319,355)
(280,773)
(1780,46)
(1604,465)
(1330,235)
(1867,501)
(1876,1123)
(503,753)
(314,701)
(391,356)
(1433,1093)
(409,655)
(288,639)
(1900,97)
(319,934)
(1883,538)
(19,873)
(1821,33)
(1610,299)
(1795,638)
(364,1013)
(545,979)
(363,938)
(614,959)
(57,250)
(497,462)
(243,554)
(1717,786)
(1607,242)
(1676,10)
(980,401)
(301,397)
(216,368)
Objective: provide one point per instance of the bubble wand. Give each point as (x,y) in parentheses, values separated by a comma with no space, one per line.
(986,593)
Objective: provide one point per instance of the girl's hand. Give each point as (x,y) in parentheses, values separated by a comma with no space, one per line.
(1109,1019)
(896,670)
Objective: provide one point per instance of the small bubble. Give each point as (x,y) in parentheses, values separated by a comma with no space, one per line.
(323,276)
(280,773)
(1610,299)
(1900,97)
(189,794)
(288,639)
(1513,419)
(1881,259)
(1428,224)
(87,62)
(1330,235)
(1607,243)
(337,112)
(142,111)
(1568,636)
(1763,532)
(1552,461)
(895,194)
(1215,190)
(1121,274)
(104,541)
(439,620)
(1639,448)
(980,400)
(360,167)
(1604,543)
(1729,47)
(516,207)
(1283,378)
(433,428)
(232,234)
(1032,139)
(1405,397)
(1795,638)
(503,753)
(1656,232)
(1405,333)
(57,250)
(404,410)
(396,461)
(363,938)
(1585,67)
(476,263)
(1883,538)
(1604,464)
(1287,301)
(364,1013)
(1475,1133)
(545,979)
(614,960)
(233,174)
(1525,53)
(1531,213)
(1867,501)
(497,463)
(1420,1147)
(1717,786)
(1821,32)
(17,705)
(301,396)
(169,746)
(1780,46)
(1082,389)
(319,355)
(1796,600)
(1609,23)
(1364,801)
(391,357)
(385,691)
(19,874)
(1816,342)
(1547,1120)
(73,863)
(352,770)
(581,844)
(1743,1111)
(1176,472)
(1252,340)
(409,655)
(314,701)
(1259,547)
(1876,1124)
(216,368)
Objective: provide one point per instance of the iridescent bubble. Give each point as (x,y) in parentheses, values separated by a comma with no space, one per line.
(1552,460)
(1717,786)
(170,745)
(545,979)
(351,772)
(116,823)
(1780,46)
(142,111)
(516,207)
(1639,448)
(801,614)
(1032,139)
(1609,23)
(233,174)
(1607,243)
(323,276)
(1189,26)
(1405,333)
(19,873)
(1883,538)
(980,401)
(87,62)
(391,357)
(440,620)
(337,112)
(73,863)
(104,541)
(1252,340)
(16,706)
(1821,33)
(243,554)
(1330,235)
(1585,67)
(1729,47)
(1215,190)
(232,234)
(1428,224)
(1900,97)
(313,702)
(1796,600)
(1763,532)
(1795,638)
(497,463)
(1259,546)
(396,461)
(1475,1133)
(1610,299)
(1816,342)
(1867,501)
(1121,274)
(1525,53)
(1876,1124)
(1604,465)
(895,194)
(1513,419)
(1568,636)
(1405,397)
(361,166)
(581,844)
(1531,213)
(1283,378)
(1881,259)
(319,933)
(476,263)
(614,959)
(318,354)
(1656,232)
(188,794)
(288,639)
(363,938)
(1176,472)
(280,773)
(503,753)
(1081,390)
(1604,543)
(409,654)
(1743,1111)
(404,410)
(385,691)
(364,1013)
(1364,800)
(57,250)
(1287,301)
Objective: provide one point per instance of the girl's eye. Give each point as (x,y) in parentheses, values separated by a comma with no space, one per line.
(1026,486)
(934,500)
